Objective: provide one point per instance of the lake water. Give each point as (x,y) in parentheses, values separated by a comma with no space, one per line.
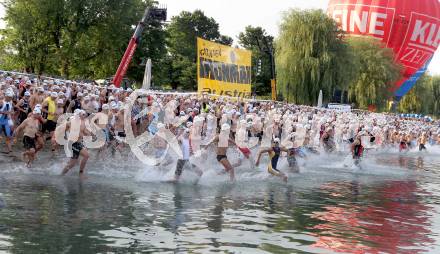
(391,205)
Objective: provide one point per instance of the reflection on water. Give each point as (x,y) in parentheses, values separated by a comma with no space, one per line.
(317,212)
(395,221)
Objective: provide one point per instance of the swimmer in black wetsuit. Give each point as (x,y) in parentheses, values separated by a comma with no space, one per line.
(274,154)
(23,107)
(223,141)
(291,159)
(403,146)
(78,148)
(185,144)
(357,150)
(327,140)
(422,141)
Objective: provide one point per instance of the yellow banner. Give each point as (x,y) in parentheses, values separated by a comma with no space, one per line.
(223,70)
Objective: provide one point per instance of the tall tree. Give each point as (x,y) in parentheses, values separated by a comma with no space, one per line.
(75,38)
(424,97)
(183,32)
(27,33)
(435,83)
(376,73)
(308,56)
(8,60)
(260,43)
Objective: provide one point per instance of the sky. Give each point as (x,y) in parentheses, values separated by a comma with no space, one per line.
(234,15)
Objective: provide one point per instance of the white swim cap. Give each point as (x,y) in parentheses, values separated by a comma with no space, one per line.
(114,105)
(37,111)
(225,126)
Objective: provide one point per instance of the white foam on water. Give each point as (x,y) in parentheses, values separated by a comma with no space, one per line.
(128,167)
(342,163)
(149,174)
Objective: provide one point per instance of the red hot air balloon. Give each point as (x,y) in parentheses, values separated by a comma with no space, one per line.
(410,27)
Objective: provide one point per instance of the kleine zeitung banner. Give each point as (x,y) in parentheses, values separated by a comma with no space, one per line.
(410,27)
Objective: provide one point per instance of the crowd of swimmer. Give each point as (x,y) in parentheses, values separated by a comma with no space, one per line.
(34,109)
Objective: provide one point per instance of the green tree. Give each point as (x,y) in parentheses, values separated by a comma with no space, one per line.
(424,97)
(411,103)
(8,60)
(375,73)
(435,81)
(26,34)
(309,56)
(76,38)
(183,32)
(260,43)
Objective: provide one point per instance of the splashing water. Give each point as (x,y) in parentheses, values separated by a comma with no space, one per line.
(390,204)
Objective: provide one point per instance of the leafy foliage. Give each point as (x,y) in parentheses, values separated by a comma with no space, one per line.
(423,98)
(182,40)
(313,55)
(73,38)
(260,43)
(309,51)
(86,39)
(375,73)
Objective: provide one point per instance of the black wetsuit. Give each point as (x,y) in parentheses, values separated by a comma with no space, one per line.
(329,144)
(358,151)
(24,115)
(291,159)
